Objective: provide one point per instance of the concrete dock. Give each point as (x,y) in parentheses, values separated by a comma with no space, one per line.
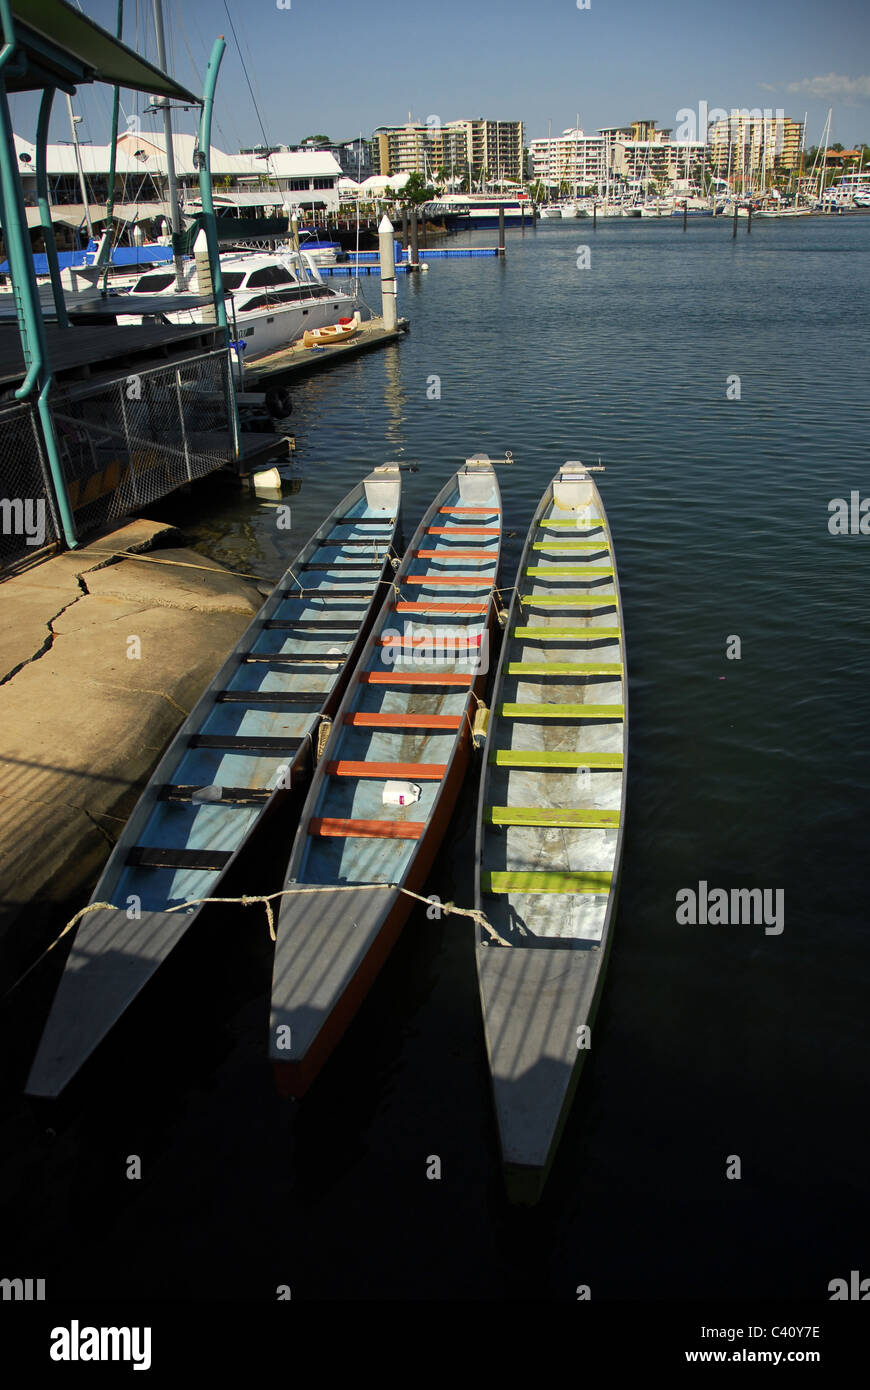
(85,718)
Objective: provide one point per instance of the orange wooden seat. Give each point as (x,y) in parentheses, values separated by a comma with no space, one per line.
(470,511)
(405,606)
(448,554)
(366,829)
(410,642)
(403,721)
(415,678)
(476,581)
(423,772)
(463,530)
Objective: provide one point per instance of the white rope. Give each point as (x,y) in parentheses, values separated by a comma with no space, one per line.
(247,899)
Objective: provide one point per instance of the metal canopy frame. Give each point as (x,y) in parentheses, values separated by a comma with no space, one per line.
(59,46)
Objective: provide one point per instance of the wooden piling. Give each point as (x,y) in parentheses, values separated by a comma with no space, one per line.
(749,219)
(685,213)
(734,232)
(501,229)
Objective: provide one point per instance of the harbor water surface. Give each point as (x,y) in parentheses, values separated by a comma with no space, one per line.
(722,383)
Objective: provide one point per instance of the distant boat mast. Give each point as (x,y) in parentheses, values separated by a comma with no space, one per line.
(174,210)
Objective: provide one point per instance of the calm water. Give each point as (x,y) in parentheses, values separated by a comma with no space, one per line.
(711,1040)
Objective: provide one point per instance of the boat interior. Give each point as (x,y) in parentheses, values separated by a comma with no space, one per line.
(240,742)
(405,710)
(552,800)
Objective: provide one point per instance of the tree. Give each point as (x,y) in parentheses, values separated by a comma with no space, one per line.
(416,190)
(316,140)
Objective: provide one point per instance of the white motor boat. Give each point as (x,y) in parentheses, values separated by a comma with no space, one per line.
(272,299)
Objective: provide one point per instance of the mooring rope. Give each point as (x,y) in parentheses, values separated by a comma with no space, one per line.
(449,909)
(389,554)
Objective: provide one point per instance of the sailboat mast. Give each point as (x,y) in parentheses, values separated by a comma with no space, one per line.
(824,169)
(800,176)
(174,211)
(74,122)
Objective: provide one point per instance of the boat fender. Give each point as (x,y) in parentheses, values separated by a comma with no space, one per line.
(323,732)
(401,793)
(480,726)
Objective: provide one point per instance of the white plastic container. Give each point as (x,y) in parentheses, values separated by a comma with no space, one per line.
(401,793)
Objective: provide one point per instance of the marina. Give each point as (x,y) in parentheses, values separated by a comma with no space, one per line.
(335,888)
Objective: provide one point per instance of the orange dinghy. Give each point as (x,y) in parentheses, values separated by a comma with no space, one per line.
(331,333)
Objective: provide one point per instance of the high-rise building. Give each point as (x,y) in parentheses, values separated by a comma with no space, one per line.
(640,154)
(491,148)
(754,146)
(572,158)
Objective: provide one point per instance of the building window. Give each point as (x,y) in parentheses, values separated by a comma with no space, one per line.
(323,183)
(299,185)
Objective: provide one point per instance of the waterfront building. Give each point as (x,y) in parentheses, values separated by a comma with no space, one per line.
(483,147)
(640,154)
(754,147)
(636,155)
(572,158)
(305,178)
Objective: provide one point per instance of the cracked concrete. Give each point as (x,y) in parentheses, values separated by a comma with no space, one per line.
(86,711)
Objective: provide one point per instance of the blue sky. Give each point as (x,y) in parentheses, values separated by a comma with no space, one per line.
(339,68)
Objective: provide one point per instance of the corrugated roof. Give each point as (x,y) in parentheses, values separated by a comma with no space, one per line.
(146,153)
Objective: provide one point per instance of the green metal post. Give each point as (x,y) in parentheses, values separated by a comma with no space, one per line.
(110,191)
(26,295)
(208,223)
(211,77)
(45,205)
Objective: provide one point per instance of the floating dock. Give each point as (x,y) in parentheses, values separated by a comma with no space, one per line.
(442,253)
(445,253)
(359,267)
(296,360)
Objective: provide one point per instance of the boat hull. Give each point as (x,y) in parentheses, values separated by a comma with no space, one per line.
(367,833)
(240,755)
(379,917)
(549,850)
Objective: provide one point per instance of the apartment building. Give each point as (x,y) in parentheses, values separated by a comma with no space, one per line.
(483,146)
(640,154)
(755,145)
(572,158)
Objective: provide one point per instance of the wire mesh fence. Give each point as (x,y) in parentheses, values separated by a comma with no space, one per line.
(125,443)
(28,521)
